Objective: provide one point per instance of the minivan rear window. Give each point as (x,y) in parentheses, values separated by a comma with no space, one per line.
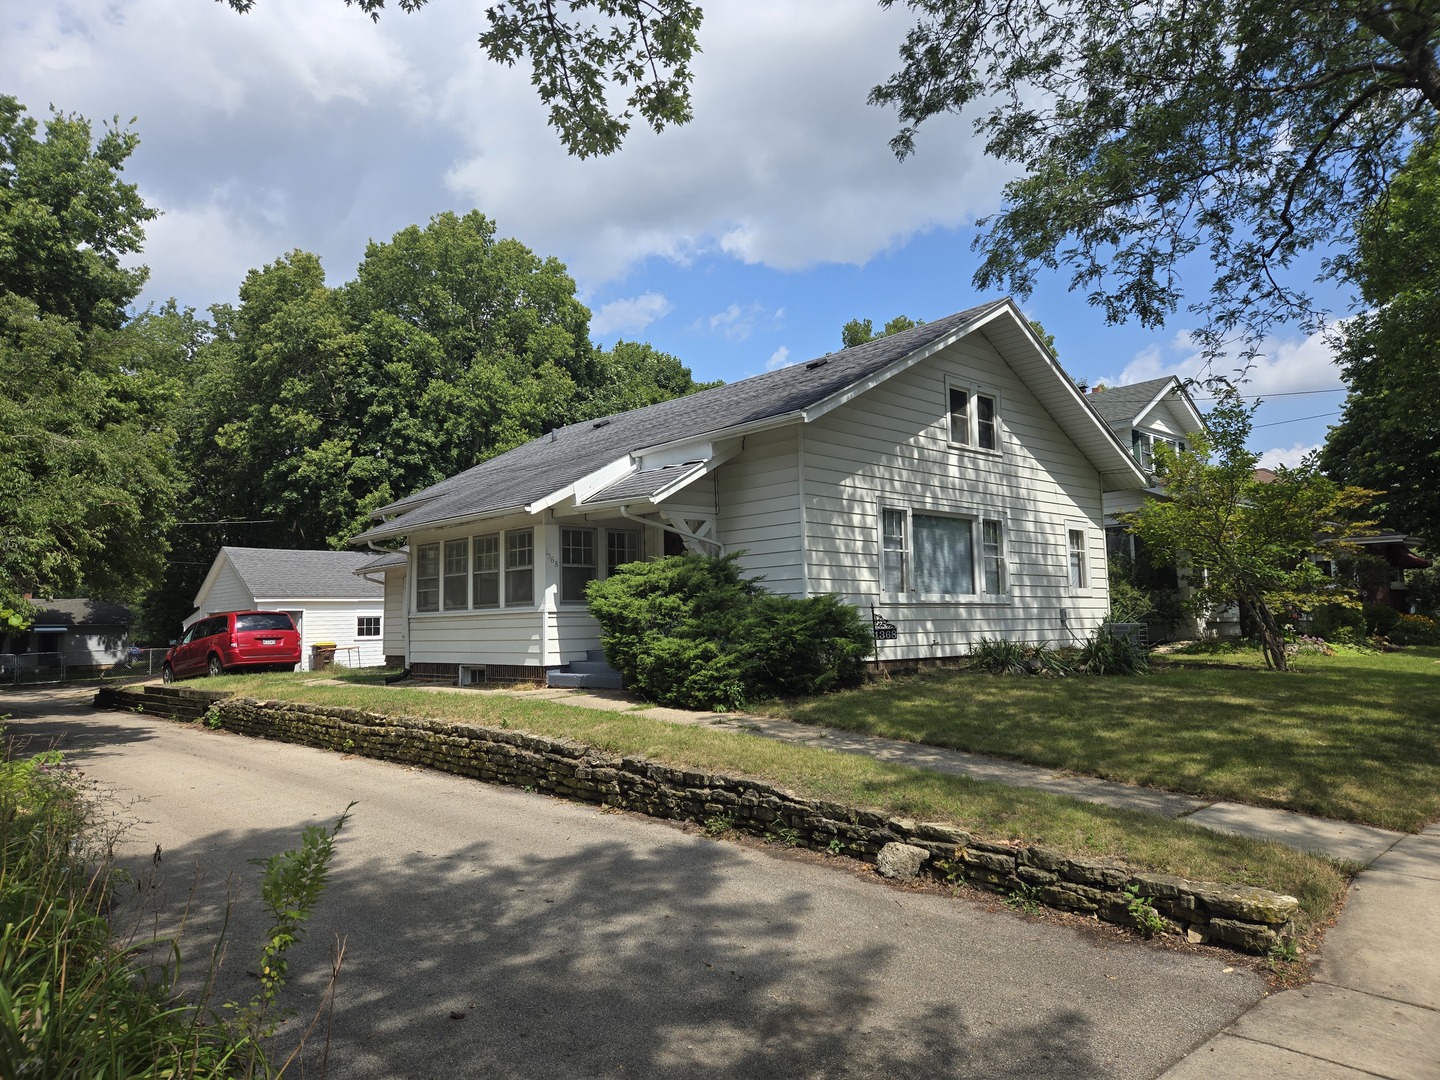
(268,620)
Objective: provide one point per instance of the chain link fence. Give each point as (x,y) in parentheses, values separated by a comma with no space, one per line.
(45,667)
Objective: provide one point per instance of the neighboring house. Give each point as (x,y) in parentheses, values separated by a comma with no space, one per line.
(1383,583)
(319,589)
(390,566)
(950,477)
(74,635)
(1143,416)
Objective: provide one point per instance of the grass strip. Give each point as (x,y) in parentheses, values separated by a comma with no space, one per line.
(1139,840)
(1355,736)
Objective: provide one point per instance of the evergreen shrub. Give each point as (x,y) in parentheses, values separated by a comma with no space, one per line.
(690,631)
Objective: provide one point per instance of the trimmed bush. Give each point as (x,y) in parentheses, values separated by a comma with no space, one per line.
(689,631)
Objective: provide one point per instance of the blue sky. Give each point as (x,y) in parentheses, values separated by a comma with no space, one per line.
(743,241)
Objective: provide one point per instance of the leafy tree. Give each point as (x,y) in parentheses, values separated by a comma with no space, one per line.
(1234,130)
(87,479)
(67,219)
(1241,541)
(859,331)
(1388,437)
(584,52)
(311,404)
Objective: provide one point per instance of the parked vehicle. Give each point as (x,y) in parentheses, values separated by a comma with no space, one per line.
(234,641)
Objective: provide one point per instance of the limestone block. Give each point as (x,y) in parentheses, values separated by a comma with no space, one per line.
(900,861)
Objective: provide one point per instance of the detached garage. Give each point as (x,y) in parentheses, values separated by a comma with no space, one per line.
(319,589)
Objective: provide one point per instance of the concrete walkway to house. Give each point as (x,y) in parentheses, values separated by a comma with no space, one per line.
(1373,1009)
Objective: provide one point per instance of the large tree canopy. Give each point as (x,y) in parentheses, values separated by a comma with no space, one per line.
(87,481)
(314,404)
(1236,131)
(1239,130)
(1388,437)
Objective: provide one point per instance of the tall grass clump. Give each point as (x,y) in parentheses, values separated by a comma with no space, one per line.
(73,1002)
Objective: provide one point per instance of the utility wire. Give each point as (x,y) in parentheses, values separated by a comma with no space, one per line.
(1317,416)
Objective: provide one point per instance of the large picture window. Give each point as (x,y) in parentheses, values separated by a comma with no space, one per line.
(974,419)
(930,556)
(577,563)
(520,567)
(486,587)
(427,577)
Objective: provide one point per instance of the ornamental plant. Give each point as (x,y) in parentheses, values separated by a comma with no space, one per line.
(690,631)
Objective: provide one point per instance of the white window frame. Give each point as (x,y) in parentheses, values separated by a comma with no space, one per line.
(1142,446)
(634,543)
(421,578)
(969,438)
(567,553)
(982,548)
(491,573)
(1079,529)
(515,571)
(449,576)
(362,625)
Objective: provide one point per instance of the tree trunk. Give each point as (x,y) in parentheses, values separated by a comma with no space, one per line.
(1272,639)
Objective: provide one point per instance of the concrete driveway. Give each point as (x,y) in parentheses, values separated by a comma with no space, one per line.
(490,932)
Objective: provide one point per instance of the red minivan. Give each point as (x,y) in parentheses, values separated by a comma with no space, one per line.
(234,641)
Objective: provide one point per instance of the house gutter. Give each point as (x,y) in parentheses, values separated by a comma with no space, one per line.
(684,533)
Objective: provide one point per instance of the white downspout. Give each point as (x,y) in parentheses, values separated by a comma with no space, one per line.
(685,533)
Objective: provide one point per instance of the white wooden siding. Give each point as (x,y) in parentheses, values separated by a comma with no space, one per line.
(333,620)
(759,510)
(227,592)
(393,629)
(891,447)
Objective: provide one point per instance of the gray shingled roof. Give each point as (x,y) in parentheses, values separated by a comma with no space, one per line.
(643,484)
(75,613)
(556,460)
(275,573)
(1118,406)
(385,560)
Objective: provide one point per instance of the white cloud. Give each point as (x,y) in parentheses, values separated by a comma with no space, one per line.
(1289,457)
(631,315)
(778,359)
(1284,366)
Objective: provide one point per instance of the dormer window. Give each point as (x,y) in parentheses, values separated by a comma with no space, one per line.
(974,419)
(1142,445)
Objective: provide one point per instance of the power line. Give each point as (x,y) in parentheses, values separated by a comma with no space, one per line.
(1282,393)
(1317,416)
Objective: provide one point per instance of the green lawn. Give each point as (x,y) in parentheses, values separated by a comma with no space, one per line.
(1139,840)
(1354,736)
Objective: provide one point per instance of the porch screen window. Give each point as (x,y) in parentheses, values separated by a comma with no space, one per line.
(457,574)
(577,563)
(944,555)
(1077,559)
(520,567)
(486,587)
(893,550)
(992,557)
(621,546)
(427,577)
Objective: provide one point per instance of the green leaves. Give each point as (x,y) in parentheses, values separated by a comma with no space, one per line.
(1231,130)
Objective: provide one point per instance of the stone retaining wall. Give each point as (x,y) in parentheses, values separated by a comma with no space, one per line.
(1253,920)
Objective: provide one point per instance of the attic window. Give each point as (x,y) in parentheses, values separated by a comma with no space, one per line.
(813,364)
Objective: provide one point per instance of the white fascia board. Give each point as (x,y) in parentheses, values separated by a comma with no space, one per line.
(905,363)
(381,533)
(587,485)
(220,559)
(679,451)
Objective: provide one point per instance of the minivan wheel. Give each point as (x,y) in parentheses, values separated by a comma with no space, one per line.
(216,668)
(167,674)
